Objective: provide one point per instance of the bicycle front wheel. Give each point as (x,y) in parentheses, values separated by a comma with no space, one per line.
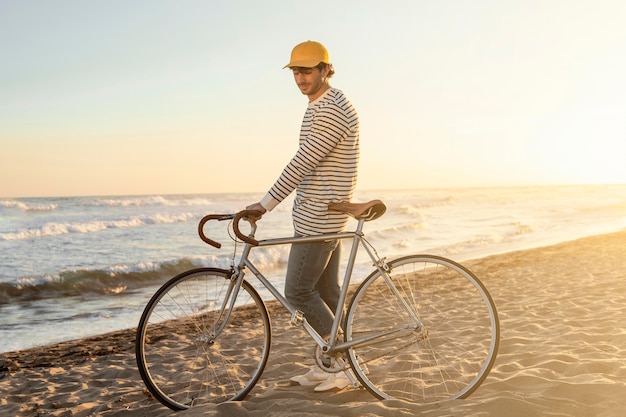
(437,327)
(187,354)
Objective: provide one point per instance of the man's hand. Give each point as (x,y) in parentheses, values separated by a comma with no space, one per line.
(256,207)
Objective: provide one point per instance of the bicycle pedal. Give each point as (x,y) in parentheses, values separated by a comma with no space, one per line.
(297,318)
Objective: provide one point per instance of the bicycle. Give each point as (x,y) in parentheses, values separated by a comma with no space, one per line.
(419,328)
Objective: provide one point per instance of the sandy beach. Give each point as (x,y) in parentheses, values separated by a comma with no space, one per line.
(562,353)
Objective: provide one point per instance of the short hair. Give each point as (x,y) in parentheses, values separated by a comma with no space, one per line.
(322,65)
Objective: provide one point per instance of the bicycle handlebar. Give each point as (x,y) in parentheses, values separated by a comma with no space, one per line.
(204,220)
(243,214)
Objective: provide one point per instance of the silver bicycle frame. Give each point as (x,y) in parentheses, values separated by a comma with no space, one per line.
(357,240)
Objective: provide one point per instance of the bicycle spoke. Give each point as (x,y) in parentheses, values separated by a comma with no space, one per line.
(446,358)
(182,359)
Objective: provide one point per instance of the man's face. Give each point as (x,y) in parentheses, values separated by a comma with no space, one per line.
(310,81)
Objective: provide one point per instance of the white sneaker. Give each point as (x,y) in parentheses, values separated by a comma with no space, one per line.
(313,377)
(336,381)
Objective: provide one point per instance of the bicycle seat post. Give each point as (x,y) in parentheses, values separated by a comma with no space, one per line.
(359,226)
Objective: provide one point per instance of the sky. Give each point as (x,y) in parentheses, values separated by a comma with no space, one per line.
(177,97)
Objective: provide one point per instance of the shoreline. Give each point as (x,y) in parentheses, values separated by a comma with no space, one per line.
(561,307)
(465,260)
(98,350)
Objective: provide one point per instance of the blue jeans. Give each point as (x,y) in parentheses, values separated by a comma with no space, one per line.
(312,282)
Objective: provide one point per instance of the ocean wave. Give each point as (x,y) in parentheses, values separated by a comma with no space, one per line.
(519,228)
(415,208)
(109,281)
(505,237)
(398,231)
(58,229)
(150,201)
(122,278)
(21,205)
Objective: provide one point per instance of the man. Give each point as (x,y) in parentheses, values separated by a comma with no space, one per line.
(323,171)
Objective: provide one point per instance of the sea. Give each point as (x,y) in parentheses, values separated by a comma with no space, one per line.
(73,267)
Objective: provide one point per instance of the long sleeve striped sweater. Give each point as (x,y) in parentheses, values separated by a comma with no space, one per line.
(324,169)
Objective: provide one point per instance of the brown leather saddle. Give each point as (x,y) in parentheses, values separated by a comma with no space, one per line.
(367,211)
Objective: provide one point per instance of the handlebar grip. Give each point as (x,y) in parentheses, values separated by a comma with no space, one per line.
(201,228)
(243,214)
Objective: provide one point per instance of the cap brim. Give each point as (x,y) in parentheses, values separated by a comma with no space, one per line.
(303,64)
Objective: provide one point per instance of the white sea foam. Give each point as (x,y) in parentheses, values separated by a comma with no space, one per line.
(26,206)
(151,201)
(36,281)
(58,229)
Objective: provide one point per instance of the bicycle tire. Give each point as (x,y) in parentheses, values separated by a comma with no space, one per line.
(446,354)
(181,360)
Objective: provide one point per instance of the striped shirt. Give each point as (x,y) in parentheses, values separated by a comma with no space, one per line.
(324,169)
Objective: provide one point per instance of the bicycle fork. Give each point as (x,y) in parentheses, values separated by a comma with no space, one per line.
(221,320)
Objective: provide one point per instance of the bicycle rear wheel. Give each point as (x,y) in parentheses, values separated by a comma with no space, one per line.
(183,357)
(447,331)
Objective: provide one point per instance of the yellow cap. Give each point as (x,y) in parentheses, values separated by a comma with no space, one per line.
(308,54)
